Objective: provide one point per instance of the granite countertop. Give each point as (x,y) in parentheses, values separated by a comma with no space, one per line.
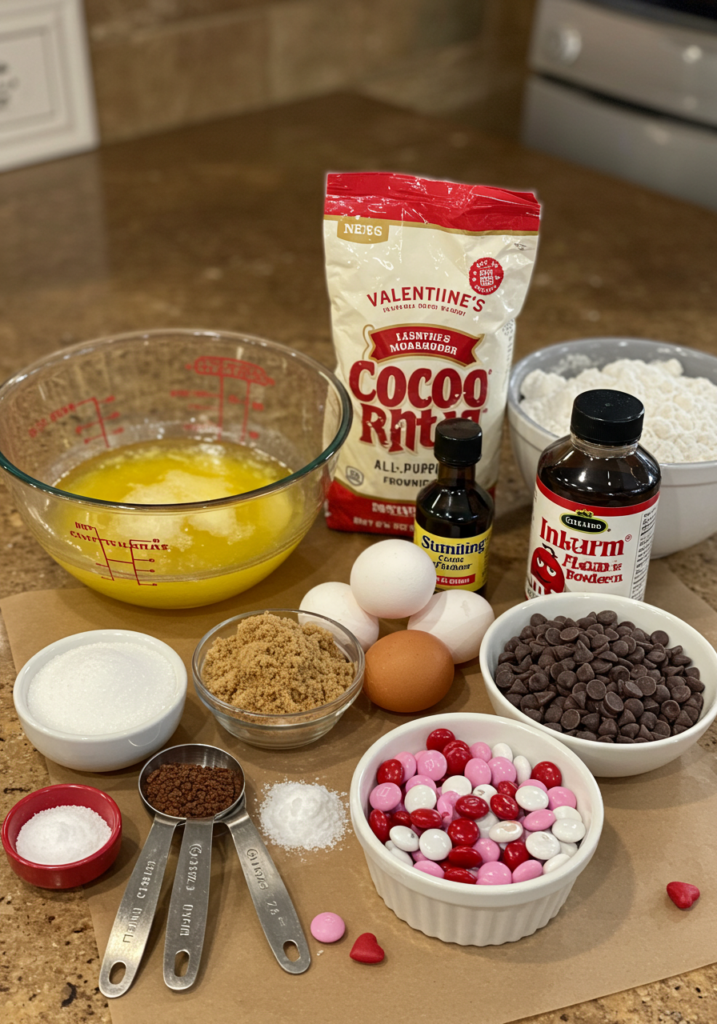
(218,226)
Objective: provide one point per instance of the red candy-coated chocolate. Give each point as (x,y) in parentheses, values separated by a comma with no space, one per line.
(463,832)
(426,818)
(456,758)
(514,854)
(400,818)
(390,771)
(682,894)
(504,787)
(547,773)
(380,825)
(454,874)
(504,807)
(366,949)
(454,745)
(471,807)
(465,857)
(438,739)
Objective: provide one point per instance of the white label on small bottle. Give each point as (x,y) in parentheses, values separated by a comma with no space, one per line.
(596,548)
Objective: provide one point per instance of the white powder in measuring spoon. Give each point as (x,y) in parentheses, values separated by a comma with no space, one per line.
(103,687)
(302,816)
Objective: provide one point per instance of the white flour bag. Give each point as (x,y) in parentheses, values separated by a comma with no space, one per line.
(425,278)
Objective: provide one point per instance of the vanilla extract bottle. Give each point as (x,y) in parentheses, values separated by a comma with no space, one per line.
(595,502)
(454,514)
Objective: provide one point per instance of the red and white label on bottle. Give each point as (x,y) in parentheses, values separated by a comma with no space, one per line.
(596,548)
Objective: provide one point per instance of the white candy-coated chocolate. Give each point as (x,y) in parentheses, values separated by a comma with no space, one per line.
(457,784)
(420,797)
(555,862)
(568,830)
(485,792)
(486,823)
(570,848)
(542,845)
(505,831)
(399,854)
(404,838)
(434,844)
(522,767)
(532,798)
(567,812)
(502,750)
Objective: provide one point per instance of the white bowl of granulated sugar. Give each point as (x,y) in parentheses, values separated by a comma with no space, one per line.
(678,387)
(101,700)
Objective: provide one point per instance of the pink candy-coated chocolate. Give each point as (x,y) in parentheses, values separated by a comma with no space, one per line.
(417,855)
(327,927)
(409,764)
(431,763)
(429,867)
(385,797)
(421,780)
(539,821)
(451,796)
(527,870)
(494,873)
(481,750)
(446,809)
(534,782)
(501,768)
(488,850)
(561,796)
(477,772)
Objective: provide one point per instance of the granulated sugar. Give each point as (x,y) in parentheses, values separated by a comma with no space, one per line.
(303,816)
(680,411)
(101,688)
(62,835)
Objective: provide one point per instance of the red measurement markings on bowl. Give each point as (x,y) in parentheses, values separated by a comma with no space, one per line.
(136,561)
(99,421)
(225,370)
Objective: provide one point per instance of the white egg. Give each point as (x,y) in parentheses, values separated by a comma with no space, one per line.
(336,600)
(459,618)
(393,579)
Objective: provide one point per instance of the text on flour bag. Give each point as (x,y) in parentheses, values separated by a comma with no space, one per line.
(425,279)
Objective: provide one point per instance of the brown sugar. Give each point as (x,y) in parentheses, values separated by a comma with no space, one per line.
(275,666)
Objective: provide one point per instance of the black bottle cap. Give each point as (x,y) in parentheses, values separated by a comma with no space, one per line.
(607,417)
(458,442)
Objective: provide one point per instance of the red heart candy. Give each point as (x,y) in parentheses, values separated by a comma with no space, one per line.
(366,950)
(682,894)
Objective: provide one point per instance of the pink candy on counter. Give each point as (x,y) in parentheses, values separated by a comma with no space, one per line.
(533,826)
(327,927)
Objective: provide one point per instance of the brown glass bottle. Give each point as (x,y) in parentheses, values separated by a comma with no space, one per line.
(454,514)
(575,540)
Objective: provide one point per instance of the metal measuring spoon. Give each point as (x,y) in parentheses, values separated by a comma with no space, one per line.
(133,921)
(271,899)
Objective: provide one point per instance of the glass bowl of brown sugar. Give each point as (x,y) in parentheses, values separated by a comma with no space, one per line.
(278,678)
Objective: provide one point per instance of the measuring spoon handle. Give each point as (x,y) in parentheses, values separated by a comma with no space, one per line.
(130,930)
(187,918)
(270,896)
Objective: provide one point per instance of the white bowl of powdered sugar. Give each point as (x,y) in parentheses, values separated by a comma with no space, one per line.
(678,387)
(101,700)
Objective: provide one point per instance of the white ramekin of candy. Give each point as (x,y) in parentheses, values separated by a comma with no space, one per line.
(514,832)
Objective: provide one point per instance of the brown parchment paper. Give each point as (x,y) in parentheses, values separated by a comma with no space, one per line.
(617,930)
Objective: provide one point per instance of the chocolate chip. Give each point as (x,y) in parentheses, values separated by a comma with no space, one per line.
(636,706)
(553,714)
(596,689)
(552,635)
(613,701)
(591,721)
(626,718)
(691,712)
(555,726)
(649,720)
(661,729)
(570,719)
(586,734)
(681,694)
(529,702)
(569,634)
(567,680)
(630,730)
(581,699)
(670,709)
(661,693)
(644,734)
(518,687)
(535,713)
(582,654)
(683,719)
(544,697)
(647,685)
(696,685)
(585,673)
(607,618)
(620,648)
(537,619)
(608,728)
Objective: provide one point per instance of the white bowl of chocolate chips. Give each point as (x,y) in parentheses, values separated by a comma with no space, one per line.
(628,687)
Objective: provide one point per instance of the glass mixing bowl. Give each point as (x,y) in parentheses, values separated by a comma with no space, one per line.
(213,388)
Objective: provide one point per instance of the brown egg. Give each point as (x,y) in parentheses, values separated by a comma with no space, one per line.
(408,671)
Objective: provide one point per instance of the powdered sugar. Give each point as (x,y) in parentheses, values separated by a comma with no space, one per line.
(680,411)
(303,816)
